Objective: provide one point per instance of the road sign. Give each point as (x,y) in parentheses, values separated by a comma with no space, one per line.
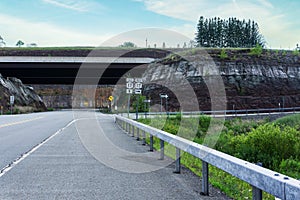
(12,100)
(138,86)
(129,85)
(164,96)
(110,98)
(129,80)
(134,85)
(137,91)
(129,91)
(138,80)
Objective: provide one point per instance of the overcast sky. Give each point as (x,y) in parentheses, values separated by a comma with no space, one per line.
(92,22)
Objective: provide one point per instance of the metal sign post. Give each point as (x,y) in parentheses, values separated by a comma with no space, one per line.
(134,86)
(166,97)
(11,102)
(110,98)
(146,108)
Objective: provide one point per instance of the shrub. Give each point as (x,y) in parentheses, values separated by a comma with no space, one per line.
(257,50)
(290,167)
(268,144)
(223,54)
(291,120)
(296,52)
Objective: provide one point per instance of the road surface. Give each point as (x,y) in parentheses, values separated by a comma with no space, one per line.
(43,156)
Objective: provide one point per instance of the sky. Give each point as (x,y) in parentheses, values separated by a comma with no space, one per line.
(112,22)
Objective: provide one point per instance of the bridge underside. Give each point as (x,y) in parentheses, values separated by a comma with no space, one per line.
(67,73)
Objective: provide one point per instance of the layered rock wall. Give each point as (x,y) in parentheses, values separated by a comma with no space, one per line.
(269,80)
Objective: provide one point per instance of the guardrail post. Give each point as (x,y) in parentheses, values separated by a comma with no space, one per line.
(177,161)
(205,184)
(162,149)
(151,142)
(144,138)
(137,134)
(133,130)
(127,128)
(256,192)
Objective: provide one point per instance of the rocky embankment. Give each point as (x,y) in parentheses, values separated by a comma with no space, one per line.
(267,80)
(26,99)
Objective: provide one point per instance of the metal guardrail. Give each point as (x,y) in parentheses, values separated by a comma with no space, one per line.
(260,178)
(222,113)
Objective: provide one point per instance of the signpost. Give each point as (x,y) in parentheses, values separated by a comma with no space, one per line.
(11,102)
(134,86)
(166,97)
(110,98)
(147,101)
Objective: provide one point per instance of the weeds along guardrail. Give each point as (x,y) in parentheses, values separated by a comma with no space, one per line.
(261,179)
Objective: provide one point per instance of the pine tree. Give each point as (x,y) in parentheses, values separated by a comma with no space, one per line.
(216,32)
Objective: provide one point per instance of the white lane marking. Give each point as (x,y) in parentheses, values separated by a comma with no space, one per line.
(20,122)
(25,155)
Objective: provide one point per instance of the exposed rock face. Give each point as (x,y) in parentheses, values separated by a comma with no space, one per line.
(26,100)
(250,81)
(60,96)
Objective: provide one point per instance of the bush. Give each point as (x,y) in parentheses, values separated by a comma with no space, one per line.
(291,120)
(268,144)
(290,167)
(257,50)
(223,54)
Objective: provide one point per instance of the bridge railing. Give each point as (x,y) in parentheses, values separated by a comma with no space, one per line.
(261,179)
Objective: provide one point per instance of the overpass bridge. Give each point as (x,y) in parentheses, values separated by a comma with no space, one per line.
(63,70)
(61,67)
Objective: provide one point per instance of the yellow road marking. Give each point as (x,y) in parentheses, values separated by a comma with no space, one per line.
(20,122)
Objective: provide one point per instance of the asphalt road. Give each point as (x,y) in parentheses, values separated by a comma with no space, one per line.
(69,164)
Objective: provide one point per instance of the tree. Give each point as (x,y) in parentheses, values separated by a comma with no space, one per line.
(216,32)
(164,45)
(128,45)
(2,43)
(20,43)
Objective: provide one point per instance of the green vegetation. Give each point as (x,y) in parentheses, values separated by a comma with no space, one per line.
(296,52)
(275,144)
(223,54)
(20,43)
(128,45)
(138,101)
(257,50)
(232,32)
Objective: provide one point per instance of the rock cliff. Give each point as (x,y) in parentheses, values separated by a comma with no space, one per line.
(26,100)
(267,80)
